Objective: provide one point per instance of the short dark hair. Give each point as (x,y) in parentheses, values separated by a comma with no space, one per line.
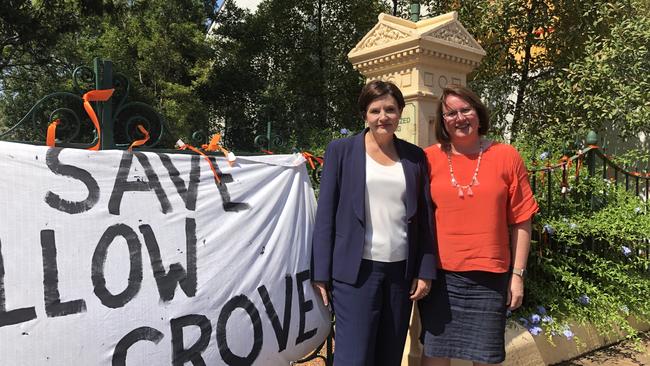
(470,97)
(377,89)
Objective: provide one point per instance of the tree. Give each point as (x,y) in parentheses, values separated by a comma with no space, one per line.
(540,52)
(158,45)
(29,29)
(287,64)
(608,88)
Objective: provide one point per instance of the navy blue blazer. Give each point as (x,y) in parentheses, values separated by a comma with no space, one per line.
(339,234)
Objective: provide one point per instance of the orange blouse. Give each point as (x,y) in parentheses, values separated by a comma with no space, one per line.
(473,231)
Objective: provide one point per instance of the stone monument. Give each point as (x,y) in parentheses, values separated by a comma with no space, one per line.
(420,58)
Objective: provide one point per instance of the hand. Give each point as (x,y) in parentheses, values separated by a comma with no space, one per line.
(515,292)
(419,288)
(321,288)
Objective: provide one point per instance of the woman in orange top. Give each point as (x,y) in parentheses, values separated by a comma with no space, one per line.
(484,206)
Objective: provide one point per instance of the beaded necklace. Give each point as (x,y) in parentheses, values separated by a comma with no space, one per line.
(462,189)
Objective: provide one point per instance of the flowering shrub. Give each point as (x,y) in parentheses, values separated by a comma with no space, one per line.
(589,258)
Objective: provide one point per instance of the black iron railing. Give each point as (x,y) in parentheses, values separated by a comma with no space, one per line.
(555,185)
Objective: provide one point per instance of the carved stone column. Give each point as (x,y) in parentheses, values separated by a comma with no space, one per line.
(420,58)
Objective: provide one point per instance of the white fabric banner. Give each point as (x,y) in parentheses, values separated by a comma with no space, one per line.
(118,258)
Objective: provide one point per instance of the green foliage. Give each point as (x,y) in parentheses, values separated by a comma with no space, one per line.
(158,45)
(609,87)
(287,64)
(29,29)
(590,259)
(555,68)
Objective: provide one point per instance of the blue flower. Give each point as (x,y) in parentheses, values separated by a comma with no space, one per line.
(541,310)
(547,319)
(584,300)
(535,318)
(625,309)
(543,156)
(345,131)
(549,229)
(637,210)
(535,330)
(523,322)
(568,334)
(626,251)
(572,226)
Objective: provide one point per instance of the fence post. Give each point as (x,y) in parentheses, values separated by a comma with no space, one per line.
(104,80)
(592,140)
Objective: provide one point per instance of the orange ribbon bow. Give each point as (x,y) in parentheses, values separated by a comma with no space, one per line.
(96,96)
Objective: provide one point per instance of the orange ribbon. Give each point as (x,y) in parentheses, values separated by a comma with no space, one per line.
(214,170)
(96,96)
(565,162)
(141,141)
(214,143)
(215,146)
(578,166)
(310,159)
(50,140)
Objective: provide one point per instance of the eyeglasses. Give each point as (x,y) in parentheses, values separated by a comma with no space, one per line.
(452,115)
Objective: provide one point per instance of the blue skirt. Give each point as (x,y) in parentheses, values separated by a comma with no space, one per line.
(464,316)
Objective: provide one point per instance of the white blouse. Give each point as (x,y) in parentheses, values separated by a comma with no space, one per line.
(386,237)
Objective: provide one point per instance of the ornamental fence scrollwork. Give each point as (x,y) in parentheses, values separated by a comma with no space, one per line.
(118,117)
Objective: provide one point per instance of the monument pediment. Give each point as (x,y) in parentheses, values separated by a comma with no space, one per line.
(380,35)
(394,37)
(454,33)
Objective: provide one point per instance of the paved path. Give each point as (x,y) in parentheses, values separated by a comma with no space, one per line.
(622,354)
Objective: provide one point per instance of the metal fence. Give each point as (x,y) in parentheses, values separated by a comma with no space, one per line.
(553,187)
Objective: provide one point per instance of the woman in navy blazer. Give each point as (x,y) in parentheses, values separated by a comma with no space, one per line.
(373,245)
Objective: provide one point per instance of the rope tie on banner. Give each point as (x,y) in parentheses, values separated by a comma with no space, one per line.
(215,146)
(141,141)
(183,146)
(96,96)
(50,139)
(310,159)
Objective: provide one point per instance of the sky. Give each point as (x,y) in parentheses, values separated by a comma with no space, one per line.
(248,4)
